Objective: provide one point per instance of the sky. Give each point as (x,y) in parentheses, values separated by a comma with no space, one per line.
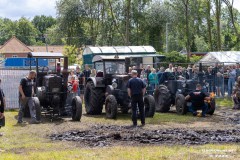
(15,9)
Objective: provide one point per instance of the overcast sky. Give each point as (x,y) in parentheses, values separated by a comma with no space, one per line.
(15,9)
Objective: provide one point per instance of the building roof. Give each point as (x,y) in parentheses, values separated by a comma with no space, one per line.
(120,50)
(50,48)
(46,55)
(14,45)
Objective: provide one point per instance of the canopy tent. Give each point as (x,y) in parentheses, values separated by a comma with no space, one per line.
(228,57)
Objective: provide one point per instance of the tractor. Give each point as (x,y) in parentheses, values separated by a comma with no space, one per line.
(53,92)
(109,87)
(172,91)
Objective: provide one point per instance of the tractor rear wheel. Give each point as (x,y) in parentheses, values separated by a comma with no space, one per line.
(211,107)
(149,105)
(111,107)
(180,103)
(94,99)
(76,108)
(162,99)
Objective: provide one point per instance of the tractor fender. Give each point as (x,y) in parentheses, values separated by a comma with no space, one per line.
(97,81)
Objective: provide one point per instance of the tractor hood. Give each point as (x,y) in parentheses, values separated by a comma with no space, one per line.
(122,76)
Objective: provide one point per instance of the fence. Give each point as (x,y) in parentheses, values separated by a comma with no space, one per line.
(10,82)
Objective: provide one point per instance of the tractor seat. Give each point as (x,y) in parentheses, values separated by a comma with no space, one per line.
(99,74)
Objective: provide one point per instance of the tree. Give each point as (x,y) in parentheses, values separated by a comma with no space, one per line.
(26,32)
(7,29)
(218,17)
(42,23)
(72,53)
(231,12)
(71,17)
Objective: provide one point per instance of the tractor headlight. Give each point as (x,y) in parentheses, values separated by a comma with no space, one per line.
(179,91)
(114,85)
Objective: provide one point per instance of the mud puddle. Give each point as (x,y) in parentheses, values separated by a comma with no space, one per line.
(99,136)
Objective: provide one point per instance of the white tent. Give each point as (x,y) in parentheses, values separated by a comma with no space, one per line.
(228,57)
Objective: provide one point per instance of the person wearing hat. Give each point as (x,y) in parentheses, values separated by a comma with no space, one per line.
(136,90)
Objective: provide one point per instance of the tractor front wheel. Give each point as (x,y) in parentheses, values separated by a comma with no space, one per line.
(76,108)
(211,107)
(162,99)
(149,104)
(111,107)
(94,99)
(180,103)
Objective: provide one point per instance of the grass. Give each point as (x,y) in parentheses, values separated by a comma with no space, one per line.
(30,142)
(224,102)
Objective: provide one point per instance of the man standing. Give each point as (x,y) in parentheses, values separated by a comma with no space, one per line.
(27,91)
(197,98)
(86,72)
(2,107)
(136,90)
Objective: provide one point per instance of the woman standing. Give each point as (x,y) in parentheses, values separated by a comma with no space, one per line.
(153,81)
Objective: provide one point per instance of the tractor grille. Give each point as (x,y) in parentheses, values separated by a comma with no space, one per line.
(53,83)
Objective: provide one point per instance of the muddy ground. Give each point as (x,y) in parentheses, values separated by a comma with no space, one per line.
(222,127)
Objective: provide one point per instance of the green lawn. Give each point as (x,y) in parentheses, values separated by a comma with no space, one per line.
(224,102)
(31,142)
(28,142)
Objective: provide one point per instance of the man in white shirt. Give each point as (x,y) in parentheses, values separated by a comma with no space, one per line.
(170,68)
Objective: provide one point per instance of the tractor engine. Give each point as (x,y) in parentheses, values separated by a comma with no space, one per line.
(50,92)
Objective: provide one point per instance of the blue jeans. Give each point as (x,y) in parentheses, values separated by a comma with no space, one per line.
(152,87)
(231,82)
(193,110)
(28,101)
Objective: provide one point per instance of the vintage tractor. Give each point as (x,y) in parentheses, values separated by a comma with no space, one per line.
(110,87)
(52,94)
(172,92)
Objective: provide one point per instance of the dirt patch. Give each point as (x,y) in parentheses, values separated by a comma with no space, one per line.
(100,136)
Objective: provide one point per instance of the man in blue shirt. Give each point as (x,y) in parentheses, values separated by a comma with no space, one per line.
(136,90)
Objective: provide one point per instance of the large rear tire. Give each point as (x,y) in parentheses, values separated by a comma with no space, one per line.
(211,107)
(111,107)
(180,103)
(149,105)
(76,108)
(93,98)
(162,99)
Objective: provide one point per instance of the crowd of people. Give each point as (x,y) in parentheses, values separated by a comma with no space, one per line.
(217,79)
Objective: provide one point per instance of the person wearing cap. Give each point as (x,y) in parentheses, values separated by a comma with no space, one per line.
(27,91)
(136,90)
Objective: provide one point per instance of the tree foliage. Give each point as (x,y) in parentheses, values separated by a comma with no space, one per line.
(167,25)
